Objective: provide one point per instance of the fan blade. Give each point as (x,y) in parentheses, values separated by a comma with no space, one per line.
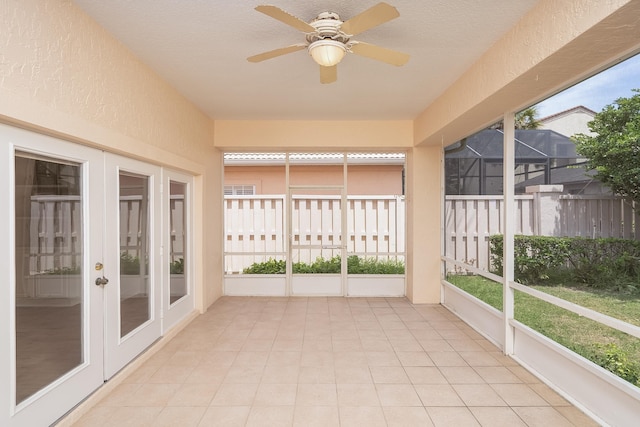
(372,17)
(277,52)
(328,74)
(286,18)
(372,51)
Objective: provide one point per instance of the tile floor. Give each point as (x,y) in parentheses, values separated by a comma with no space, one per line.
(252,361)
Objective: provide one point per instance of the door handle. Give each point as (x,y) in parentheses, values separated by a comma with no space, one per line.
(101,281)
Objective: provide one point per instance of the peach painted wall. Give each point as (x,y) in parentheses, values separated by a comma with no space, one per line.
(300,134)
(361,180)
(63,75)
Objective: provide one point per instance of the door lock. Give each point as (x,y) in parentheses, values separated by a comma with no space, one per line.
(101,281)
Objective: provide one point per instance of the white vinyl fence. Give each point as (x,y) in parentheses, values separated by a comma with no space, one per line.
(255,228)
(470,220)
(55,230)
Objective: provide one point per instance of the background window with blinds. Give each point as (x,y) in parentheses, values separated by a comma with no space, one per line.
(239,190)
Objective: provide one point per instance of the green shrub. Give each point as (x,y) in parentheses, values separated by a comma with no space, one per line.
(355,265)
(64,271)
(177,266)
(268,267)
(535,256)
(129,265)
(612,264)
(616,360)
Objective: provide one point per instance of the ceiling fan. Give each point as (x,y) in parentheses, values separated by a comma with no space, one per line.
(328,38)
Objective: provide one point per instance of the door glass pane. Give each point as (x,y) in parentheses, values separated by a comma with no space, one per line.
(134,251)
(177,242)
(49,254)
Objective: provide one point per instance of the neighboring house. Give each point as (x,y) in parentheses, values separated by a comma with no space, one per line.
(262,173)
(569,122)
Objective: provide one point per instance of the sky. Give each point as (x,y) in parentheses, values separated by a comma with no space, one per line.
(598,91)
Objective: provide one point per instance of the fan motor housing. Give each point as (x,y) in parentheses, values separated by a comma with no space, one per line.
(327,26)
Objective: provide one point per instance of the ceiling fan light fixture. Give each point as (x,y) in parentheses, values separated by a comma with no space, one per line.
(327,52)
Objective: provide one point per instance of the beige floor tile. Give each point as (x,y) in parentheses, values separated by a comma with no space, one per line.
(446,358)
(244,375)
(357,395)
(576,416)
(425,375)
(142,374)
(359,416)
(141,416)
(170,374)
(97,416)
(549,395)
(199,394)
(435,345)
(316,344)
(406,345)
(349,358)
(438,395)
(524,375)
(219,358)
(388,375)
(406,416)
(281,374)
(293,361)
(183,416)
(185,358)
(316,416)
(208,373)
(452,416)
(497,375)
(414,358)
(464,344)
(461,375)
(235,395)
(352,344)
(276,395)
(478,358)
(120,395)
(542,416)
(427,333)
(478,395)
(257,344)
(382,358)
(497,417)
(376,344)
(519,395)
(251,358)
(317,358)
(225,416)
(317,395)
(153,395)
(353,375)
(398,395)
(285,345)
(284,358)
(317,375)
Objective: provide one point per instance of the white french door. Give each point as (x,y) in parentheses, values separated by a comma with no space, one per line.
(81,268)
(132,257)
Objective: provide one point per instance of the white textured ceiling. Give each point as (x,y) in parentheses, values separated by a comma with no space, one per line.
(200,47)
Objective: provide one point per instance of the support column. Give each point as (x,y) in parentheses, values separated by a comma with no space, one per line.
(509,222)
(424,209)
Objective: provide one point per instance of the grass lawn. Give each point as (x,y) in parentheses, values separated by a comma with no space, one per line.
(584,336)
